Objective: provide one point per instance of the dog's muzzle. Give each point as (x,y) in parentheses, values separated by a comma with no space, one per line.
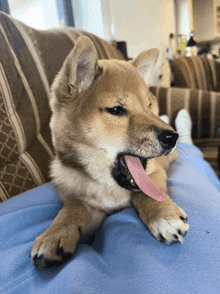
(120,171)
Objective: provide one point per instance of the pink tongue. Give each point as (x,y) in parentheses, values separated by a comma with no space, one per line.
(142,180)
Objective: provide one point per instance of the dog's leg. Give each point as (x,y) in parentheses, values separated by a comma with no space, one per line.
(58,242)
(165,220)
(165,161)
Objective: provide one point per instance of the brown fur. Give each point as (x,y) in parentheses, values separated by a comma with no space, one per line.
(87,139)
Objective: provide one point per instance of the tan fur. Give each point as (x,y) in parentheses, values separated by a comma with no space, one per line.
(87,139)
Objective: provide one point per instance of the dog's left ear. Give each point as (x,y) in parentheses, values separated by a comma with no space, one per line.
(145,63)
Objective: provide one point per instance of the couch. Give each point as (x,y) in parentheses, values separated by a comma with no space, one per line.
(123,257)
(29,60)
(201,76)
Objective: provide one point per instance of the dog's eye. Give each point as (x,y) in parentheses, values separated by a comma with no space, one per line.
(117,110)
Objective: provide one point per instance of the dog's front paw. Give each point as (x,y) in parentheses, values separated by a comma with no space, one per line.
(55,246)
(170,229)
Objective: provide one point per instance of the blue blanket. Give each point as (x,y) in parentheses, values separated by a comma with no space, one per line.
(125,257)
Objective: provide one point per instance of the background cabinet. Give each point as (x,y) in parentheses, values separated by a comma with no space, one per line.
(205,19)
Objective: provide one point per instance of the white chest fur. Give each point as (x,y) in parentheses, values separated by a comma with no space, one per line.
(73,184)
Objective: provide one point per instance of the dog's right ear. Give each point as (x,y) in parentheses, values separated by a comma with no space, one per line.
(78,71)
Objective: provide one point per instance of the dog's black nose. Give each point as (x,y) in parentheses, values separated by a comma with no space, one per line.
(168,139)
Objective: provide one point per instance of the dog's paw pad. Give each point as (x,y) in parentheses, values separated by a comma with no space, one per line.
(64,254)
(170,230)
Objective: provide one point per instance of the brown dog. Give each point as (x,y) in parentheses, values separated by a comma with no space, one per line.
(103,114)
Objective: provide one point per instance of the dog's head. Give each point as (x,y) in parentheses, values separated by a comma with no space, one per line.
(103,110)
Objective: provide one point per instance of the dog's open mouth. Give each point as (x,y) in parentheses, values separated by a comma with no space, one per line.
(122,174)
(129,173)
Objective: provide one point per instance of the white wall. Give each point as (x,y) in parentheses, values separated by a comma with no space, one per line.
(88,16)
(142,23)
(39,14)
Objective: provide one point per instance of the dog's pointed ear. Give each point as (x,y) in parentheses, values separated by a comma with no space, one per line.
(145,63)
(82,64)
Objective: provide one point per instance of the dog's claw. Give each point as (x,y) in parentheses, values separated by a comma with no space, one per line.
(184,219)
(184,234)
(161,238)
